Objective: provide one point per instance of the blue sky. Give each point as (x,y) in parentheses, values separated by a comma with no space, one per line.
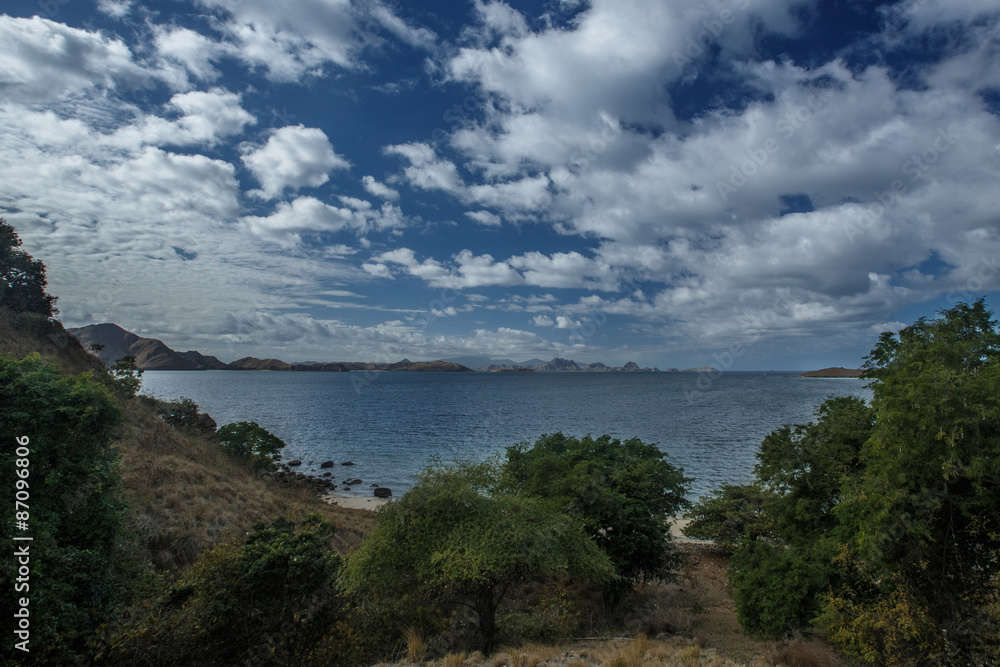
(743,183)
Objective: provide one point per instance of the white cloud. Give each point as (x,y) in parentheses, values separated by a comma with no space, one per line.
(485,218)
(426,171)
(543,321)
(293,157)
(196,52)
(291,41)
(42,61)
(379,189)
(308,215)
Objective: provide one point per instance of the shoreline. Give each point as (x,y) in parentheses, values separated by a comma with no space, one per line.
(677,524)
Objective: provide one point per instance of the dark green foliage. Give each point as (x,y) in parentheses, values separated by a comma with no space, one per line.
(456,539)
(124,378)
(248,441)
(75,503)
(805,468)
(925,516)
(182,413)
(729,515)
(22,278)
(886,519)
(623,492)
(776,588)
(265,600)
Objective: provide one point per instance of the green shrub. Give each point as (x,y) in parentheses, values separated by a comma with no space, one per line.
(248,441)
(267,599)
(74,503)
(623,492)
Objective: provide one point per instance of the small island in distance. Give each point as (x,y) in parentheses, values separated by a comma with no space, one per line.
(833,372)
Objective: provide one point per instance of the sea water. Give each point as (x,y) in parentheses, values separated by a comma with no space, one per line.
(391,424)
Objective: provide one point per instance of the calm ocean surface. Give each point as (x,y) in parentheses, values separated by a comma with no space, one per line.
(390,423)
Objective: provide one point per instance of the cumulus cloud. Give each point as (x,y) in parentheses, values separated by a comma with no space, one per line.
(379,189)
(297,40)
(45,61)
(293,157)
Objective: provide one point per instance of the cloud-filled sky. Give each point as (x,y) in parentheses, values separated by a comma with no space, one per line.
(742,183)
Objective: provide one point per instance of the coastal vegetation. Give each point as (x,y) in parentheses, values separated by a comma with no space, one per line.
(879,525)
(160,540)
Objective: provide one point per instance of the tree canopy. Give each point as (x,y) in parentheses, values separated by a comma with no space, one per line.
(882,522)
(22,278)
(623,492)
(250,442)
(456,538)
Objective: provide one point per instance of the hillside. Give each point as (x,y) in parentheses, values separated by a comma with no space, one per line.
(150,354)
(184,493)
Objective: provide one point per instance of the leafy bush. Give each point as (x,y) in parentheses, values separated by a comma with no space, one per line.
(182,413)
(75,504)
(248,441)
(267,599)
(623,492)
(729,515)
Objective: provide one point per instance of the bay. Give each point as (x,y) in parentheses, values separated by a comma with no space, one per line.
(390,424)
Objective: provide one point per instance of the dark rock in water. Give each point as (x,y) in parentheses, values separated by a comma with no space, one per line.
(328,474)
(296,462)
(383,492)
(374,485)
(326,464)
(347,488)
(353,481)
(347,463)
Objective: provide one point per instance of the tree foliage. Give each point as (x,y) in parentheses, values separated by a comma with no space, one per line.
(924,517)
(22,278)
(75,502)
(886,518)
(623,492)
(456,538)
(251,442)
(729,515)
(267,599)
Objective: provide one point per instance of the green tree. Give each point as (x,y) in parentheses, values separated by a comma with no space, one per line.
(22,278)
(625,493)
(456,539)
(925,516)
(784,524)
(251,442)
(729,515)
(67,474)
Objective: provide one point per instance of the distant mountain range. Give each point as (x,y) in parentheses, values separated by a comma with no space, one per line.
(152,354)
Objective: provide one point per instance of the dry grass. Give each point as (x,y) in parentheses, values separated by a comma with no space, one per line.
(186,494)
(453,660)
(416,647)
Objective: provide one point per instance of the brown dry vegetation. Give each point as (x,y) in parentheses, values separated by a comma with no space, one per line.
(186,494)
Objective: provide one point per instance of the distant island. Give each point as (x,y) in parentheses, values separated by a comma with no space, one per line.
(836,372)
(151,354)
